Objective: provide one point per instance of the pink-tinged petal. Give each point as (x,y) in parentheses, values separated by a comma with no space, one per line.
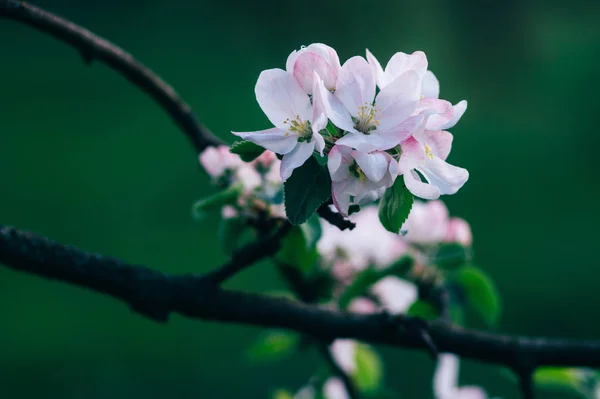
(445,379)
(430,86)
(306,65)
(394,168)
(364,143)
(432,106)
(440,143)
(374,165)
(447,178)
(355,85)
(281,97)
(459,231)
(365,196)
(341,199)
(291,60)
(377,69)
(396,295)
(319,115)
(343,351)
(327,53)
(394,135)
(338,162)
(400,63)
(334,109)
(319,143)
(398,100)
(471,392)
(413,155)
(427,223)
(296,158)
(442,122)
(274,139)
(334,388)
(418,188)
(216,160)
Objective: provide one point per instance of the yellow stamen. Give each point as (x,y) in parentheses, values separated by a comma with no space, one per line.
(428,152)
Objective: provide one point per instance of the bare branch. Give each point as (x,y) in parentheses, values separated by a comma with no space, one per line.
(155,294)
(93,47)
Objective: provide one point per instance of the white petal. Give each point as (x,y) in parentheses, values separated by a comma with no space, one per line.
(418,188)
(364,143)
(334,388)
(319,143)
(398,100)
(341,199)
(440,143)
(296,158)
(368,196)
(447,178)
(319,114)
(401,63)
(395,294)
(273,139)
(394,135)
(338,162)
(291,59)
(430,86)
(343,351)
(307,64)
(413,155)
(445,379)
(441,122)
(355,85)
(281,97)
(327,53)
(374,165)
(471,392)
(377,69)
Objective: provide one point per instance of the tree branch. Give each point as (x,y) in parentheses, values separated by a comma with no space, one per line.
(333,218)
(155,294)
(93,47)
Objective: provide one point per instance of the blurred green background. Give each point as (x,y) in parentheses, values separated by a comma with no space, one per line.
(87,159)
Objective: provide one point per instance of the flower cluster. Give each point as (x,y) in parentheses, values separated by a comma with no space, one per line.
(372,124)
(255,186)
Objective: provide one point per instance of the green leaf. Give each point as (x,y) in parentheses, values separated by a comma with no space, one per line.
(273,345)
(480,293)
(566,379)
(228,196)
(363,280)
(368,375)
(230,233)
(395,206)
(281,394)
(247,150)
(312,231)
(306,190)
(296,250)
(321,160)
(423,310)
(450,256)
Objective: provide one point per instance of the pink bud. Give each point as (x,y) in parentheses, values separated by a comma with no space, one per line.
(216,160)
(459,231)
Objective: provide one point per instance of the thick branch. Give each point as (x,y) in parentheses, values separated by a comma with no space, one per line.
(93,47)
(156,295)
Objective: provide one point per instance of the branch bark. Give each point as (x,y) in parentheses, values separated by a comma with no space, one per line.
(93,47)
(155,295)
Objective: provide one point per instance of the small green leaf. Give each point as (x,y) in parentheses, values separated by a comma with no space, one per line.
(228,196)
(247,150)
(363,280)
(572,380)
(368,375)
(312,231)
(306,190)
(230,233)
(321,160)
(296,251)
(480,293)
(281,394)
(395,206)
(450,256)
(423,310)
(273,345)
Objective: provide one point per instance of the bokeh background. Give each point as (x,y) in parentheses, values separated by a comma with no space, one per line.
(87,159)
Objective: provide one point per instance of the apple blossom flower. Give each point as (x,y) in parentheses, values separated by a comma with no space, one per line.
(318,58)
(445,381)
(395,294)
(372,122)
(344,353)
(426,152)
(427,223)
(334,389)
(218,160)
(359,177)
(459,231)
(297,121)
(369,243)
(443,114)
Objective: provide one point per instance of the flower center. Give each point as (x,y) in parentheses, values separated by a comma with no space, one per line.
(365,122)
(357,172)
(300,128)
(428,152)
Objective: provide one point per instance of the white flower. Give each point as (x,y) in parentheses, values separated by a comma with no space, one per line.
(318,58)
(369,243)
(431,89)
(396,295)
(297,121)
(426,153)
(334,389)
(445,381)
(344,354)
(373,123)
(459,231)
(396,66)
(218,160)
(359,177)
(428,223)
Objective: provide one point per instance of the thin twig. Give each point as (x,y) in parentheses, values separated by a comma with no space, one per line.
(338,371)
(333,218)
(155,295)
(93,47)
